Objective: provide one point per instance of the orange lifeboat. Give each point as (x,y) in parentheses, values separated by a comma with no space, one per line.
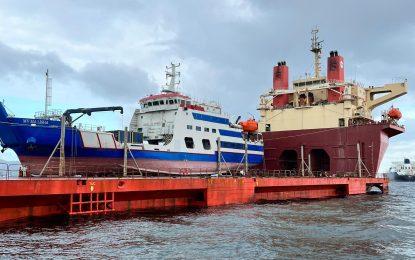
(394,113)
(249,126)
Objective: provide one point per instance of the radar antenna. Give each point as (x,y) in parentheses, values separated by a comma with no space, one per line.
(316,48)
(48,94)
(171,74)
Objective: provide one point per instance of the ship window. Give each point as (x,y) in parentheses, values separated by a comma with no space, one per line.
(189,127)
(206,129)
(161,102)
(189,142)
(267,127)
(198,128)
(141,117)
(175,101)
(150,104)
(213,130)
(206,144)
(155,103)
(171,101)
(341,122)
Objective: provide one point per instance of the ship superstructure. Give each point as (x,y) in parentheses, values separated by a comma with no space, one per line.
(403,171)
(330,109)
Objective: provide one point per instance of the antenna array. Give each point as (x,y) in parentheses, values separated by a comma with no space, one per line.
(316,47)
(171,74)
(48,94)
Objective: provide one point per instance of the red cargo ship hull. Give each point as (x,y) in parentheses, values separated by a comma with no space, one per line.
(331,150)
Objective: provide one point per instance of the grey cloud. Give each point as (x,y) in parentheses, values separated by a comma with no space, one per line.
(375,35)
(111,81)
(116,81)
(17,62)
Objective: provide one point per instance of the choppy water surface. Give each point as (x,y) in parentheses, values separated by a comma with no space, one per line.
(357,227)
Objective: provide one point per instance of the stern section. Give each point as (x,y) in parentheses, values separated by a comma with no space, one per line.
(329,150)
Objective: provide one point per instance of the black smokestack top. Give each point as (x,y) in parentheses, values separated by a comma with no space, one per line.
(331,53)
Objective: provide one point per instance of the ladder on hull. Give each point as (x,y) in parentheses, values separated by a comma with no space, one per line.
(91,203)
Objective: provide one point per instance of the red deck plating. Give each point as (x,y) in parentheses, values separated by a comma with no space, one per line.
(44,197)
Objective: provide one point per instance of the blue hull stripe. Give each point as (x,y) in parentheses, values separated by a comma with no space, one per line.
(213,119)
(240,146)
(177,156)
(230,133)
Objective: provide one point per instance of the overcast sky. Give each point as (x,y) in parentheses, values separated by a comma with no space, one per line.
(114,52)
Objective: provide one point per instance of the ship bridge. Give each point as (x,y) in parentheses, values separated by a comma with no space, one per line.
(157,113)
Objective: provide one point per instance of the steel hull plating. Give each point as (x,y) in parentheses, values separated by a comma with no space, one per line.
(34,144)
(398,177)
(331,150)
(55,196)
(103,166)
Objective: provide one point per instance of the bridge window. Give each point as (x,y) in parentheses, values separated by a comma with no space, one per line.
(150,104)
(155,103)
(198,128)
(161,102)
(206,144)
(206,129)
(189,142)
(189,127)
(171,101)
(213,130)
(175,101)
(267,127)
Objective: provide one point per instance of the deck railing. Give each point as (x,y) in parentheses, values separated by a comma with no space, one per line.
(13,171)
(9,170)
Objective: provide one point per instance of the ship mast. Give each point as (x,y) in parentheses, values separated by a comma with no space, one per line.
(171,74)
(316,48)
(48,92)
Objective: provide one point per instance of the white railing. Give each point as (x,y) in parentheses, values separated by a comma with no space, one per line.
(9,170)
(53,113)
(90,127)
